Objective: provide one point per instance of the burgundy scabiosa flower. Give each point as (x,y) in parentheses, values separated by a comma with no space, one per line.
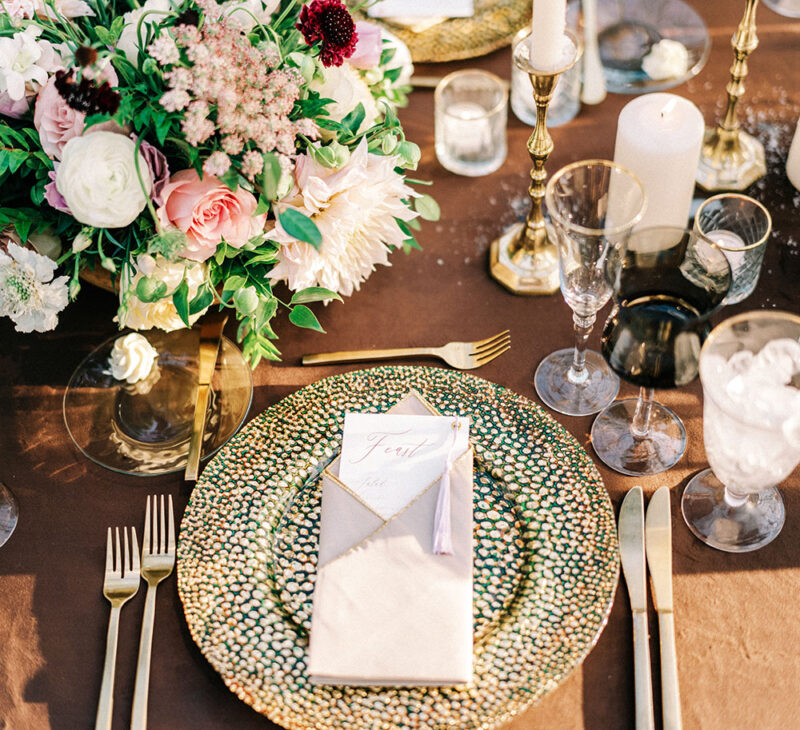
(329,22)
(86,95)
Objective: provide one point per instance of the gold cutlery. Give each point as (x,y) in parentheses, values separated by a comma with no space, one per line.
(658,537)
(120,584)
(210,337)
(460,355)
(632,553)
(157,563)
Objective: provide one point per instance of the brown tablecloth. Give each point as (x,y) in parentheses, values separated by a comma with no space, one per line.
(737,618)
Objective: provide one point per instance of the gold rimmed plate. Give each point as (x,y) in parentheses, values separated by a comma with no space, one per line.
(545,560)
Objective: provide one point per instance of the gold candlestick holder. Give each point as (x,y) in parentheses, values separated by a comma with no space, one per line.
(732,159)
(524,259)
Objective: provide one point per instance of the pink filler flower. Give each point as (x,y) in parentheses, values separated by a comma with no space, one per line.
(208,212)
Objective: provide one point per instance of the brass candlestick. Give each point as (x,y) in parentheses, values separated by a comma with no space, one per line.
(731,158)
(524,259)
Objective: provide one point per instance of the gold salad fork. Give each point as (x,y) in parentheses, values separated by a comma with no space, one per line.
(460,355)
(158,560)
(120,584)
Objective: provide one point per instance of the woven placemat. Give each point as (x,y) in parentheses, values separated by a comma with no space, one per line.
(493,26)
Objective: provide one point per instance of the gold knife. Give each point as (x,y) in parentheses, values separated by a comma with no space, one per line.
(210,337)
(631,547)
(658,537)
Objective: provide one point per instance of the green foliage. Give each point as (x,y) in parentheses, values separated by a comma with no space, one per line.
(300,226)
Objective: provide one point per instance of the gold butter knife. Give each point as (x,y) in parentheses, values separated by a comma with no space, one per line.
(210,338)
(631,547)
(658,537)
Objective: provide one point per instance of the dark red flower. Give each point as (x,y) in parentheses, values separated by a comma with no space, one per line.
(329,22)
(86,95)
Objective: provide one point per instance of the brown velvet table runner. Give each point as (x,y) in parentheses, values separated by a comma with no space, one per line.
(737,616)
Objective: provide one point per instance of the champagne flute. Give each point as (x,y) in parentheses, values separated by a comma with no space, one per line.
(669,284)
(750,370)
(593,206)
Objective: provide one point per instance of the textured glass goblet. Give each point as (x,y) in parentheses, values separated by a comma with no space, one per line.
(750,370)
(593,206)
(669,284)
(9,512)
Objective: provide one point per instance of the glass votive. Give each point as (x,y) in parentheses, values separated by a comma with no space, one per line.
(566,101)
(470,122)
(789,8)
(739,226)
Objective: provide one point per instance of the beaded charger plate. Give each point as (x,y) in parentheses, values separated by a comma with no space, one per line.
(545,555)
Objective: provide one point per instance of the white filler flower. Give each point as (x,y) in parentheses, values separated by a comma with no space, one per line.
(132,358)
(97,177)
(28,293)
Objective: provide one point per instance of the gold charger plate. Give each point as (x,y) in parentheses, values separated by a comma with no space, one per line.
(545,563)
(494,25)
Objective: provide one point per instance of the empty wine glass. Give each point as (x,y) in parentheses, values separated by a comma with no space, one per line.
(750,370)
(669,284)
(9,512)
(593,206)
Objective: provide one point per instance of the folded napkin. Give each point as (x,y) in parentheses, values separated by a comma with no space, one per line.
(388,610)
(422,9)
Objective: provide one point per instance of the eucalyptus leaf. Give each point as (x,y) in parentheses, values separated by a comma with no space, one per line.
(302,316)
(301,227)
(427,208)
(314,294)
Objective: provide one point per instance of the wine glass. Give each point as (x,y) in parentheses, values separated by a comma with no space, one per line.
(593,206)
(9,512)
(669,284)
(750,370)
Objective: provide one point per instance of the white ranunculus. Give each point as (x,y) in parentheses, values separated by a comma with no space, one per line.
(97,177)
(345,86)
(139,315)
(25,62)
(151,13)
(247,12)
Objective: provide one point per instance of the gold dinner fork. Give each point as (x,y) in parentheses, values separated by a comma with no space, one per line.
(120,584)
(460,355)
(157,563)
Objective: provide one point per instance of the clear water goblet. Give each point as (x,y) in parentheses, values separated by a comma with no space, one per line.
(9,513)
(593,205)
(750,370)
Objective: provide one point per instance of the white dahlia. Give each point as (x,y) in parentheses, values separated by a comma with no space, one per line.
(29,294)
(355,209)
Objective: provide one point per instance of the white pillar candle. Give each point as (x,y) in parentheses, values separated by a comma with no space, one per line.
(793,161)
(659,138)
(547,33)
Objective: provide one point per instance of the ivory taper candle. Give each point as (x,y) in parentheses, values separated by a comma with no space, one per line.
(793,161)
(547,34)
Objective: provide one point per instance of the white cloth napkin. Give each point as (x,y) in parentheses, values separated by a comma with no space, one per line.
(387,610)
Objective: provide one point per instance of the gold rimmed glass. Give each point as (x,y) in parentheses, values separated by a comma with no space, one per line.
(750,371)
(739,226)
(593,206)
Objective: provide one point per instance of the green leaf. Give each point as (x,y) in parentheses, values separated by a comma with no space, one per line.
(230,178)
(271,177)
(301,227)
(355,118)
(314,294)
(150,290)
(15,159)
(302,316)
(427,208)
(103,35)
(203,299)
(180,298)
(235,282)
(262,207)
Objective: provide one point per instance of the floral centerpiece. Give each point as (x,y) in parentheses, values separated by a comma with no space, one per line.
(200,153)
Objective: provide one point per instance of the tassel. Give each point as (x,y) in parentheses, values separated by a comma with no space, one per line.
(442,536)
(442,530)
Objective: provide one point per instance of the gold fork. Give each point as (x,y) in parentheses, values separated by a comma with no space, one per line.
(460,355)
(120,584)
(157,564)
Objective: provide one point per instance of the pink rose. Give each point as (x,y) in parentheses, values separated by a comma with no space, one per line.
(15,109)
(368,47)
(208,212)
(56,121)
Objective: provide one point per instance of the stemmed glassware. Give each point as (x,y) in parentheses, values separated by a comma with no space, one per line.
(669,284)
(750,370)
(9,512)
(593,206)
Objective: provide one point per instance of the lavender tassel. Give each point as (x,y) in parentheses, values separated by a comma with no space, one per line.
(442,536)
